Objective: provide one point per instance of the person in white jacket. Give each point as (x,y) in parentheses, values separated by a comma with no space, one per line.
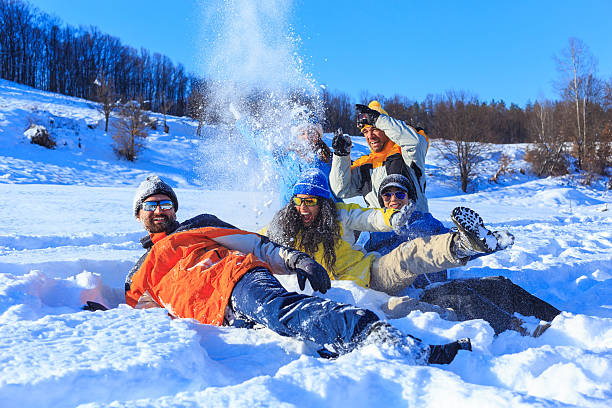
(397,148)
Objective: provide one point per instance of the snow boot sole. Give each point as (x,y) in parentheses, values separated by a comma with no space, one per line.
(472,227)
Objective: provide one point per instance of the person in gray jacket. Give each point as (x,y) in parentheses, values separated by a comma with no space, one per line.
(397,148)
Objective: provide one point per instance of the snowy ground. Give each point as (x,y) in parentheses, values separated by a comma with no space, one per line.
(68,235)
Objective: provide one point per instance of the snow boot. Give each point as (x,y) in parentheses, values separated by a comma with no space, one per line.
(473,237)
(401,306)
(327,354)
(518,325)
(540,329)
(396,344)
(445,353)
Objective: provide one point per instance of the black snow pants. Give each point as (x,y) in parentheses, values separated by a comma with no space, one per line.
(493,299)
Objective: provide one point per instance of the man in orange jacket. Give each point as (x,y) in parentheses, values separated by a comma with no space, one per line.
(210,271)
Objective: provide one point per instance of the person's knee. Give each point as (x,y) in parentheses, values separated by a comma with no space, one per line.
(256,284)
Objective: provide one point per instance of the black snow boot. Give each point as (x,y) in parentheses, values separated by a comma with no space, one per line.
(473,237)
(94,306)
(445,353)
(392,342)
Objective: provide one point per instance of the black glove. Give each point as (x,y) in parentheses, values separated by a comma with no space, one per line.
(93,306)
(307,268)
(341,143)
(366,116)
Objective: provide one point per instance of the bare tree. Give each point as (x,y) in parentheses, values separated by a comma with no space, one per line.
(578,84)
(130,129)
(458,122)
(164,107)
(602,157)
(15,40)
(504,162)
(40,51)
(197,102)
(548,154)
(105,94)
(339,112)
(607,98)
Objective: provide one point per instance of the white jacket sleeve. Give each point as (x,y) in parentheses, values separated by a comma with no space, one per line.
(414,145)
(248,242)
(357,218)
(344,181)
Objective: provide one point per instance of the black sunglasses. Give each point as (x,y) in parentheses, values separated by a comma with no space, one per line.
(165,205)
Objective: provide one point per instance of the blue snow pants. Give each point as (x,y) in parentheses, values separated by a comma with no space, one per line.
(259,296)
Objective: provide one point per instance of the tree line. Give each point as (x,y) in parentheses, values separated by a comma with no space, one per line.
(39,51)
(498,123)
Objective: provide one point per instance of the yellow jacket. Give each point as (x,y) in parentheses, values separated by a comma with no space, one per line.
(352,262)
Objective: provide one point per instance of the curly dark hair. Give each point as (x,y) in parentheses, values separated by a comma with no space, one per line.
(287,225)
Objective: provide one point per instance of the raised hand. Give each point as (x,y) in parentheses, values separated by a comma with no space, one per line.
(366,116)
(341,143)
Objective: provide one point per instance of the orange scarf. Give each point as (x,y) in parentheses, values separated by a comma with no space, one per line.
(378,158)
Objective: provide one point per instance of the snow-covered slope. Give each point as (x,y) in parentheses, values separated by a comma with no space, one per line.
(72,121)
(68,235)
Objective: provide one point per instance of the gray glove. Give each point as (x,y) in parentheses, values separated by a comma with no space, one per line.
(401,217)
(341,143)
(307,268)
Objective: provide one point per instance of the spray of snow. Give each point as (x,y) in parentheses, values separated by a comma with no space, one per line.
(259,91)
(504,239)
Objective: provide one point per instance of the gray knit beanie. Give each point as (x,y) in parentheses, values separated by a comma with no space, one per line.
(399,181)
(151,186)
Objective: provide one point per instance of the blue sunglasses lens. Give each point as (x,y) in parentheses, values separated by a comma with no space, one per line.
(398,194)
(152,205)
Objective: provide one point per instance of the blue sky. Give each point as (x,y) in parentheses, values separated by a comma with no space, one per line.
(500,50)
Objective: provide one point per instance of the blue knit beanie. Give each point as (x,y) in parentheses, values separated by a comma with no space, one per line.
(312,182)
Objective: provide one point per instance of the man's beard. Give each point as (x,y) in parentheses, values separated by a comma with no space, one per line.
(154,228)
